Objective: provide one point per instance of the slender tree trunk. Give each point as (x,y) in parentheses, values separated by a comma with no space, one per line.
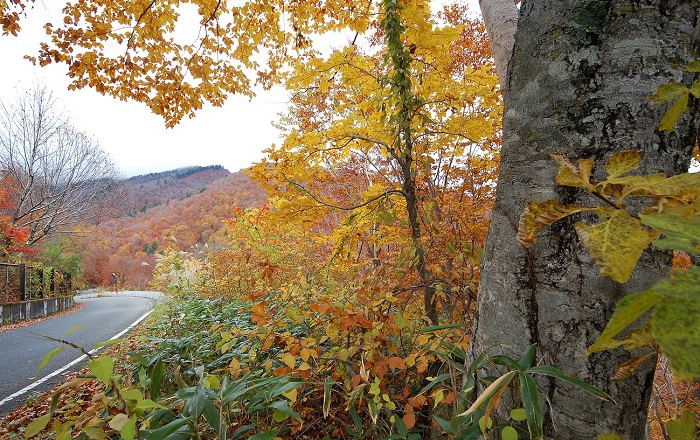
(501,20)
(578,81)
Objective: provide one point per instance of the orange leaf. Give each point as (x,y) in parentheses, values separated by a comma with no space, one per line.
(363,322)
(280,371)
(395,362)
(417,401)
(348,321)
(320,307)
(409,419)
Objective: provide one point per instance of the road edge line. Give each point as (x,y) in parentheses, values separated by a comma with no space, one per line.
(35,384)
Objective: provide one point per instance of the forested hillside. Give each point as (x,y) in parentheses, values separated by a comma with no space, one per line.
(179,209)
(149,190)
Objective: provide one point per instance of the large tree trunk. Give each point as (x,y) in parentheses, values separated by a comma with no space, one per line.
(578,81)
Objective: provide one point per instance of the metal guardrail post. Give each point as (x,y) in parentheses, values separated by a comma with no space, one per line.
(41,283)
(22,282)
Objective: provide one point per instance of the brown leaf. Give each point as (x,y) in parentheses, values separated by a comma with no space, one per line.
(625,370)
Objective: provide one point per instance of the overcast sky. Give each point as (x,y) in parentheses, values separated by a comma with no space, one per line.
(233,135)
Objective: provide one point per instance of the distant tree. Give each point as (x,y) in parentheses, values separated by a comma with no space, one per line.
(59,176)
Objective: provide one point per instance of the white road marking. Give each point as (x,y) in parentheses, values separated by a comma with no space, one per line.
(67,366)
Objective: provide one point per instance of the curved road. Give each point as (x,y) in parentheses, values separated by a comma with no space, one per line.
(21,352)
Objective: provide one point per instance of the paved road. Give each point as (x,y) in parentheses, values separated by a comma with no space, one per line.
(21,352)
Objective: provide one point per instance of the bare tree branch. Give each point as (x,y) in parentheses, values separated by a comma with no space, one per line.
(59,176)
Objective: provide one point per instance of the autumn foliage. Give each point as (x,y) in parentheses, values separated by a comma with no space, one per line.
(361,267)
(327,268)
(12,236)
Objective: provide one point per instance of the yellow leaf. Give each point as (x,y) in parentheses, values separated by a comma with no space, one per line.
(118,422)
(304,366)
(622,163)
(234,365)
(288,359)
(536,216)
(291,395)
(438,396)
(616,244)
(569,175)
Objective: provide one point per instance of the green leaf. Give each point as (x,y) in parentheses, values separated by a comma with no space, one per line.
(608,437)
(509,433)
(528,358)
(279,416)
(132,394)
(212,382)
(506,361)
(128,431)
(622,163)
(538,215)
(675,321)
(267,435)
(108,343)
(327,387)
(401,427)
(445,425)
(531,402)
(679,232)
(518,414)
(435,328)
(485,423)
(373,410)
(669,92)
(668,123)
(683,428)
(74,329)
(283,406)
(156,378)
(147,404)
(164,431)
(50,355)
(212,416)
(627,311)
(548,370)
(102,367)
(37,425)
(436,381)
(616,244)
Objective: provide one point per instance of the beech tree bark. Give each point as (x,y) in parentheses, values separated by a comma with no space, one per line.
(578,80)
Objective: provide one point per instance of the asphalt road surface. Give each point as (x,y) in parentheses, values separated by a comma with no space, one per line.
(21,350)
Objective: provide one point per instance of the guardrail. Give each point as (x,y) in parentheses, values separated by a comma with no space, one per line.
(136,293)
(38,308)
